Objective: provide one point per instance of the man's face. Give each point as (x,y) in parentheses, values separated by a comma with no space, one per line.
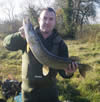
(47,21)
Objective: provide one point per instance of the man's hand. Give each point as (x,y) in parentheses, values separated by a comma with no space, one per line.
(71,68)
(21,30)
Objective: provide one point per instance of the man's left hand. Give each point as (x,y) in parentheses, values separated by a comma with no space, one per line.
(71,68)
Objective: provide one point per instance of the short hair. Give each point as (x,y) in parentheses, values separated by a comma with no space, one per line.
(48,9)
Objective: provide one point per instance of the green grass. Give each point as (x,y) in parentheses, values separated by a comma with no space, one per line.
(77,89)
(80,89)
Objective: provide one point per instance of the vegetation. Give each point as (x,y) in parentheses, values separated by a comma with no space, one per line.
(72,20)
(73,14)
(76,89)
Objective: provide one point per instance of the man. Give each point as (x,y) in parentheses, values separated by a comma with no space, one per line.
(36,85)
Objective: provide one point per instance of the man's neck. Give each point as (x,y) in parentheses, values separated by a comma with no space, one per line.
(46,34)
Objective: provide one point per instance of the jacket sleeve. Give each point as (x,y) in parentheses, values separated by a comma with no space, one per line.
(63,52)
(14,42)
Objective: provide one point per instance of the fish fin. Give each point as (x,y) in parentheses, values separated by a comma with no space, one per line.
(28,48)
(45,70)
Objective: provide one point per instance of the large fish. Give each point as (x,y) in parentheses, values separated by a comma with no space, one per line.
(44,56)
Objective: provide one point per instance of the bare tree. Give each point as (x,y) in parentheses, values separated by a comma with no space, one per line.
(33,8)
(77,13)
(11,23)
(8,9)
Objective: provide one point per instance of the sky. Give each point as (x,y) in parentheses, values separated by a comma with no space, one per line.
(19,7)
(98,16)
(5,3)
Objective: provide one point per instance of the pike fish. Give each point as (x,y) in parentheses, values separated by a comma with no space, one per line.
(44,56)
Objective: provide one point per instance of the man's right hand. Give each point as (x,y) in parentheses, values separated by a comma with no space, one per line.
(21,30)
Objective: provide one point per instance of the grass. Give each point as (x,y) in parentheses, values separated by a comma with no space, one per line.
(76,89)
(80,89)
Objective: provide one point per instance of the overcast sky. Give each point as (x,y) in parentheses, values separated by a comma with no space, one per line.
(98,16)
(19,6)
